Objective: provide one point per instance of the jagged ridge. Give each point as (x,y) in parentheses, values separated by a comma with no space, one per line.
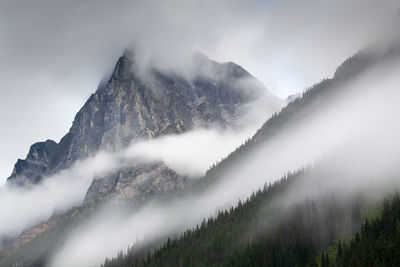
(134,105)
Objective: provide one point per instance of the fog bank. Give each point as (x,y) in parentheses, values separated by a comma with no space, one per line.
(356,132)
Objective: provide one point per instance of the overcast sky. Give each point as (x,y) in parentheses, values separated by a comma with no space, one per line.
(53,53)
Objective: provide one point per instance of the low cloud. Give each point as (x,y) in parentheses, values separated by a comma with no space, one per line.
(23,207)
(356,133)
(188,154)
(287,44)
(191,153)
(56,52)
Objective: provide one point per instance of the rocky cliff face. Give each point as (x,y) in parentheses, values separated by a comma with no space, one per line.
(139,181)
(35,164)
(132,106)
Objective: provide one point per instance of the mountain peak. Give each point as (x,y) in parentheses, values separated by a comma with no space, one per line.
(130,107)
(122,69)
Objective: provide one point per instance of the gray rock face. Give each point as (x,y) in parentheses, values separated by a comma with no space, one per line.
(36,163)
(132,106)
(139,181)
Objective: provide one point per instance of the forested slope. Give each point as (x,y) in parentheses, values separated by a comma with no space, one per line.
(378,243)
(258,232)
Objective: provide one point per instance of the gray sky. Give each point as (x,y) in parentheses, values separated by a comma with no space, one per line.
(53,53)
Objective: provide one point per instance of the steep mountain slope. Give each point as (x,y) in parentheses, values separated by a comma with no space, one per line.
(260,233)
(285,234)
(257,232)
(313,100)
(135,105)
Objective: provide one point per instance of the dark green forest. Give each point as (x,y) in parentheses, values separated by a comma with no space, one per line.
(260,232)
(377,244)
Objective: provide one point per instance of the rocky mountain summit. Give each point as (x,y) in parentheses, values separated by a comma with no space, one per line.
(134,105)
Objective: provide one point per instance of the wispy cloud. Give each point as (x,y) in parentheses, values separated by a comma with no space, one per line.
(56,52)
(188,154)
(356,131)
